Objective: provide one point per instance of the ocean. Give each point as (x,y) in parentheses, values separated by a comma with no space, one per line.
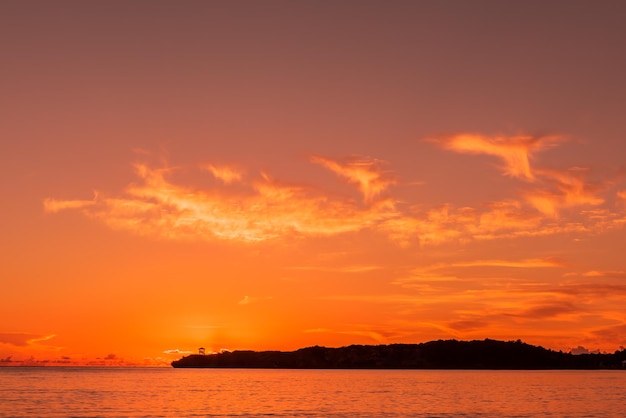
(163,392)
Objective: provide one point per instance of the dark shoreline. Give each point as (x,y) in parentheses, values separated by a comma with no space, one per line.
(449,354)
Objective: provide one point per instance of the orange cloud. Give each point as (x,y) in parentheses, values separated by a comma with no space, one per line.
(556,189)
(261,208)
(24,339)
(366,173)
(550,309)
(56,205)
(606,274)
(268,209)
(377,336)
(515,151)
(252,299)
(462,307)
(504,218)
(496,220)
(227,174)
(177,351)
(611,333)
(342,269)
(436,226)
(468,324)
(563,190)
(527,263)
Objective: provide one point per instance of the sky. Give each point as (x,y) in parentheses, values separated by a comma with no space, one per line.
(272,175)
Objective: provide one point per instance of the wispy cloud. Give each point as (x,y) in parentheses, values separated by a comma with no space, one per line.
(564,189)
(261,207)
(252,299)
(614,274)
(225,173)
(515,151)
(24,339)
(468,324)
(500,308)
(56,205)
(177,351)
(611,332)
(366,173)
(551,309)
(338,269)
(552,189)
(526,263)
(266,210)
(599,274)
(366,331)
(496,220)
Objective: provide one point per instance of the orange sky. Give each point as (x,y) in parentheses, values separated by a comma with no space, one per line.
(274,175)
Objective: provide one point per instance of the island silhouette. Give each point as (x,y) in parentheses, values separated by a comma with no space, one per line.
(441,354)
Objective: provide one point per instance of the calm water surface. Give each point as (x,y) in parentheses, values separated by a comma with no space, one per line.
(123,392)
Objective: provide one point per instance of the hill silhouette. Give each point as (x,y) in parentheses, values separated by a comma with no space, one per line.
(448,354)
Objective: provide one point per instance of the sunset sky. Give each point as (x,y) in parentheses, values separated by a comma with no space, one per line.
(279,174)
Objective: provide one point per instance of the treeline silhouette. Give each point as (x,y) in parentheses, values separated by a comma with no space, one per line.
(449,354)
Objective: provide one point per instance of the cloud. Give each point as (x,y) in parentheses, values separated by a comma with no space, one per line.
(260,207)
(56,205)
(377,337)
(591,290)
(426,282)
(366,331)
(495,220)
(267,209)
(340,269)
(515,151)
(177,351)
(555,189)
(376,299)
(611,333)
(437,225)
(564,189)
(316,330)
(574,187)
(467,324)
(527,263)
(614,274)
(500,307)
(24,339)
(110,360)
(550,309)
(252,299)
(579,350)
(227,174)
(366,173)
(41,339)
